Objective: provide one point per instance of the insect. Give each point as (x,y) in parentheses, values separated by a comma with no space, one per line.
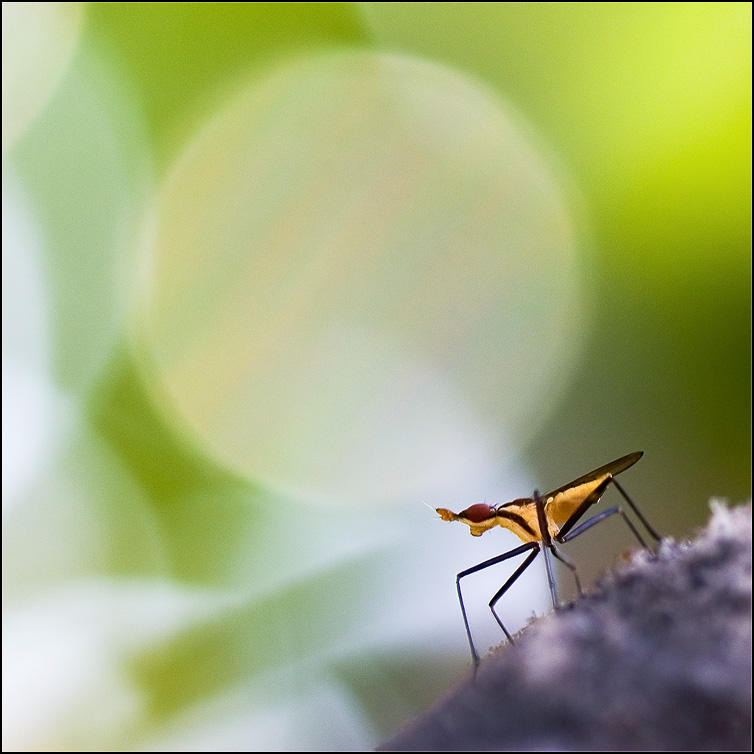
(541,521)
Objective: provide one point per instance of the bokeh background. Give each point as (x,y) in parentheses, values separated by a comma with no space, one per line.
(274,274)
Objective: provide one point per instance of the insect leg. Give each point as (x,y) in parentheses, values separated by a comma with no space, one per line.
(636,510)
(504,588)
(544,545)
(550,577)
(581,528)
(481,566)
(570,564)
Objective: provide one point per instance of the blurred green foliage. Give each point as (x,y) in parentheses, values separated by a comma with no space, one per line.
(648,106)
(179,55)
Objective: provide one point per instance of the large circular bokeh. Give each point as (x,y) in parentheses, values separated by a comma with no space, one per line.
(362,281)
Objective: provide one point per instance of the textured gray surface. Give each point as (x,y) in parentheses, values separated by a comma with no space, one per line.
(657,657)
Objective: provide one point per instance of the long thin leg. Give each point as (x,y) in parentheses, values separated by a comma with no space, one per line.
(504,588)
(481,566)
(601,517)
(570,564)
(636,510)
(550,577)
(544,546)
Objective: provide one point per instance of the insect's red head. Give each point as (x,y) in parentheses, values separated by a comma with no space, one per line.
(478,512)
(478,517)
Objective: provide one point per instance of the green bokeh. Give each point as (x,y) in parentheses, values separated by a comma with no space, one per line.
(181,56)
(649,106)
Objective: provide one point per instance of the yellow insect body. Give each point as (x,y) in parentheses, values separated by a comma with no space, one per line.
(520,516)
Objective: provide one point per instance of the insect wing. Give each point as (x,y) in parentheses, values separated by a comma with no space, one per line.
(562,502)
